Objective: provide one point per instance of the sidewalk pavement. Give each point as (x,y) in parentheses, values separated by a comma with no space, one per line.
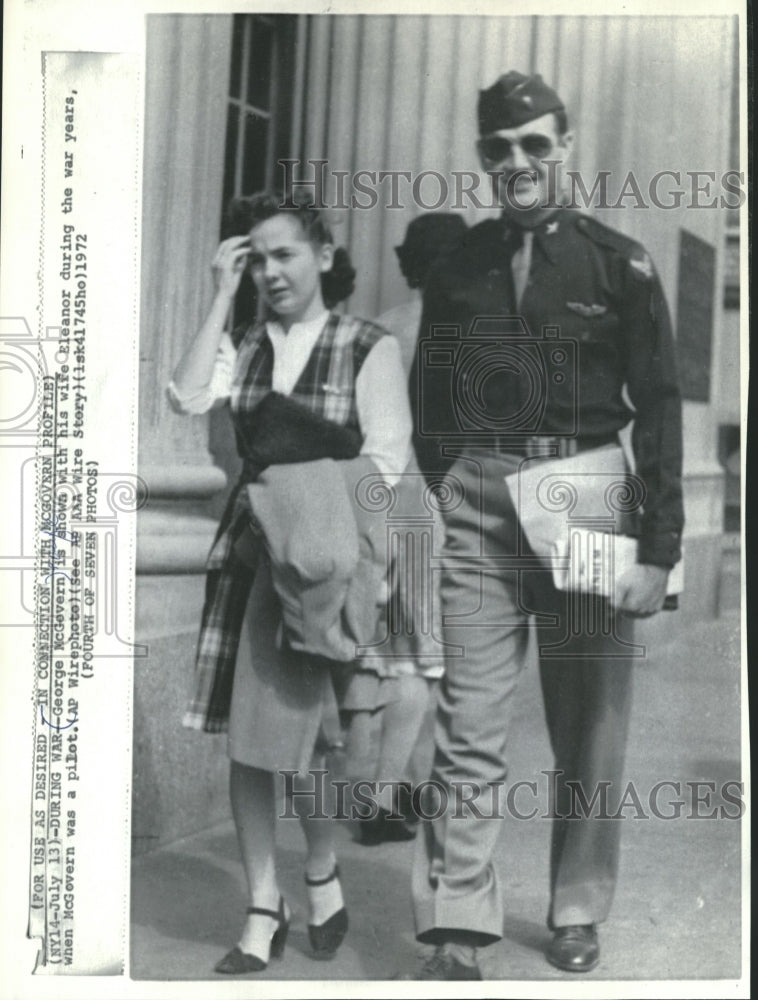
(677,910)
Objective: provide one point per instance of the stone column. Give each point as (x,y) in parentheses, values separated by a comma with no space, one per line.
(179,776)
(185,125)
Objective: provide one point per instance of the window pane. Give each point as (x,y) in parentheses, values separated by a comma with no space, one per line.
(259,70)
(238,34)
(230,154)
(254,163)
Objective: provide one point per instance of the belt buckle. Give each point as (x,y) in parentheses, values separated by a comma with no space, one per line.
(540,446)
(533,446)
(567,447)
(550,446)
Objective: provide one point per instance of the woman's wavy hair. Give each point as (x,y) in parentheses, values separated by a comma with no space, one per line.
(243,214)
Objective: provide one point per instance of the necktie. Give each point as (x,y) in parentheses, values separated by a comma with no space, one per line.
(521,265)
(513,241)
(518,243)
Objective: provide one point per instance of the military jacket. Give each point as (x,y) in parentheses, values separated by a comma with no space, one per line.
(588,349)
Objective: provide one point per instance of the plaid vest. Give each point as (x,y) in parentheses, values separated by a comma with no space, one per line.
(327,387)
(326,384)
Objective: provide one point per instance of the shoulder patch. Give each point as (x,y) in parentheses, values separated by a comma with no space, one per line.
(634,252)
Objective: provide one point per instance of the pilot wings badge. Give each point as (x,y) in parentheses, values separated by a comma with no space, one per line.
(590,311)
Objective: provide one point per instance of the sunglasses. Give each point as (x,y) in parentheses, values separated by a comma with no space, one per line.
(497,149)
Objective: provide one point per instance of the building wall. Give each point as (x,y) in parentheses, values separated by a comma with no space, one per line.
(381,93)
(180,777)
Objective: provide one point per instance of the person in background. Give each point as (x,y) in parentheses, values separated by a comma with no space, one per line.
(386,702)
(343,376)
(427,238)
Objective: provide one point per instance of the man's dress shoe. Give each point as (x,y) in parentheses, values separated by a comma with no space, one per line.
(445,966)
(574,948)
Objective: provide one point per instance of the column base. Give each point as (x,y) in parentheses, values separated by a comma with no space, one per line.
(175,530)
(180,776)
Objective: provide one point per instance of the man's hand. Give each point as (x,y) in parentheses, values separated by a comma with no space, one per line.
(641,591)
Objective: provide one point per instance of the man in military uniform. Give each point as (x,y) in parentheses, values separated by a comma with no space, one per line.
(557,273)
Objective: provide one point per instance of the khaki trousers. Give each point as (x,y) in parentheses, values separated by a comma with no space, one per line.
(491,595)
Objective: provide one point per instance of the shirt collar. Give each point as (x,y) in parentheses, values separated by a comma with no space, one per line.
(309,329)
(545,233)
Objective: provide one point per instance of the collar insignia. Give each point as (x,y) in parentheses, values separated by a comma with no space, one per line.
(643,265)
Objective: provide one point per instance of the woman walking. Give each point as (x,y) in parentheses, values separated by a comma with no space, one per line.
(304,384)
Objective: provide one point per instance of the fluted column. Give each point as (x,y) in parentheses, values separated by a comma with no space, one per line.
(185,125)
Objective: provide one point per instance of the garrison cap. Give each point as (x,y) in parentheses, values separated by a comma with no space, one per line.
(428,236)
(515,99)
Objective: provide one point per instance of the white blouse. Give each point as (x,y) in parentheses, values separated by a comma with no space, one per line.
(381,397)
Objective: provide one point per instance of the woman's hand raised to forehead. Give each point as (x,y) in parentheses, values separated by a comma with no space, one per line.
(229,263)
(194,372)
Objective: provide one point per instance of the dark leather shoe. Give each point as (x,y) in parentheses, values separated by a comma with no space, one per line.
(380,829)
(398,830)
(327,937)
(238,962)
(443,965)
(574,948)
(370,829)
